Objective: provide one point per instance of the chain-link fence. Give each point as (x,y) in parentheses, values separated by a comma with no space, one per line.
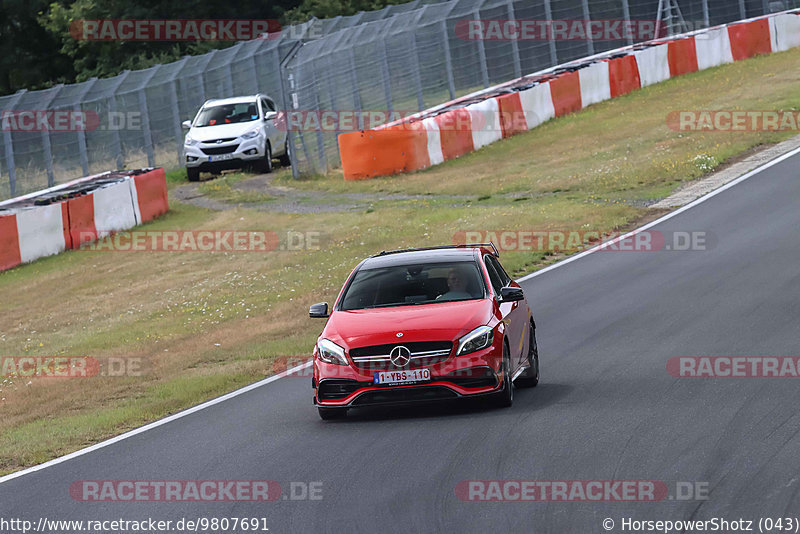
(402,58)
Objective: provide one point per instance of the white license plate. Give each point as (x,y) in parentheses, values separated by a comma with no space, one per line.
(412,376)
(221,157)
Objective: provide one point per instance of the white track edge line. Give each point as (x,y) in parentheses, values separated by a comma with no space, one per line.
(271,379)
(154,424)
(663,218)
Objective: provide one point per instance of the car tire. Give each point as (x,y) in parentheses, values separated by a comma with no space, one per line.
(530,378)
(193,174)
(505,397)
(265,164)
(328,414)
(285,160)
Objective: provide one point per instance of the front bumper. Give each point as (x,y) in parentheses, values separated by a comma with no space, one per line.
(235,154)
(471,375)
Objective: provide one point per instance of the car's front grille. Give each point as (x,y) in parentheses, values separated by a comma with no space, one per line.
(403,395)
(214,151)
(423,354)
(223,140)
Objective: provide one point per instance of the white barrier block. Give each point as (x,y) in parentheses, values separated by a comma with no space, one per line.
(41,232)
(713,48)
(113,209)
(537,104)
(434,141)
(595,84)
(653,64)
(485,117)
(135,200)
(784,31)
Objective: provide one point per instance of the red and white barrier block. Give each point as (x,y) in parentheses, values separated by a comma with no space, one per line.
(442,134)
(30,232)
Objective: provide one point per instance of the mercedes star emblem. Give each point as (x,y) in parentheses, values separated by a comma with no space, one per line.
(400,356)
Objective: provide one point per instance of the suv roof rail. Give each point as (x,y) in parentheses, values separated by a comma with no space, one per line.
(441,247)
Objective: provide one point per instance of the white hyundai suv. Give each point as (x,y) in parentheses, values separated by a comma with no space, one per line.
(232,133)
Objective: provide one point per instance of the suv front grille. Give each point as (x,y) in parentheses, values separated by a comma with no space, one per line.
(214,151)
(423,354)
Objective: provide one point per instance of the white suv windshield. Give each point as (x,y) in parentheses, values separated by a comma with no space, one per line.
(227,114)
(405,285)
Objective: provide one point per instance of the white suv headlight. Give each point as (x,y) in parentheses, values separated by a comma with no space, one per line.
(189,141)
(330,352)
(251,134)
(478,339)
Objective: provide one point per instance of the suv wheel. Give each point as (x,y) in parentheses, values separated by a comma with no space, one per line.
(265,165)
(285,160)
(193,174)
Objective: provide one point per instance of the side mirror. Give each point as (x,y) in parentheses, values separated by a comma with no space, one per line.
(270,115)
(511,294)
(186,125)
(319,311)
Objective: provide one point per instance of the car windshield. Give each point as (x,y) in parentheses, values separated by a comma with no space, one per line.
(227,114)
(405,285)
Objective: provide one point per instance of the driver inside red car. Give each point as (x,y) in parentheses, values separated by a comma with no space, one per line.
(457,284)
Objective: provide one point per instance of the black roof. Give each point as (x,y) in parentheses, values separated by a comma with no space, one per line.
(421,256)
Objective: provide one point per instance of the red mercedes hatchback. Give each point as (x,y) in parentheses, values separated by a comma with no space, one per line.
(424,325)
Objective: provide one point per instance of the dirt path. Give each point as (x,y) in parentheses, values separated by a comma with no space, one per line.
(290,200)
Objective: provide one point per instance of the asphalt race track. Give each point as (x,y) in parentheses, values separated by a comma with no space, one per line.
(606,409)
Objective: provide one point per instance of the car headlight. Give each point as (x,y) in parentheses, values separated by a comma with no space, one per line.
(251,134)
(330,352)
(189,141)
(478,339)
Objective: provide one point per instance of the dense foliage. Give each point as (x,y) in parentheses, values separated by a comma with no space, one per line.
(38,51)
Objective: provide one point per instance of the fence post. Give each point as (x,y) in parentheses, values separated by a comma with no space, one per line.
(356,93)
(82,133)
(415,56)
(285,95)
(587,16)
(47,148)
(548,15)
(448,61)
(482,53)
(116,140)
(176,112)
(742,10)
(514,43)
(9,146)
(146,133)
(323,162)
(331,91)
(387,81)
(626,14)
(706,18)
